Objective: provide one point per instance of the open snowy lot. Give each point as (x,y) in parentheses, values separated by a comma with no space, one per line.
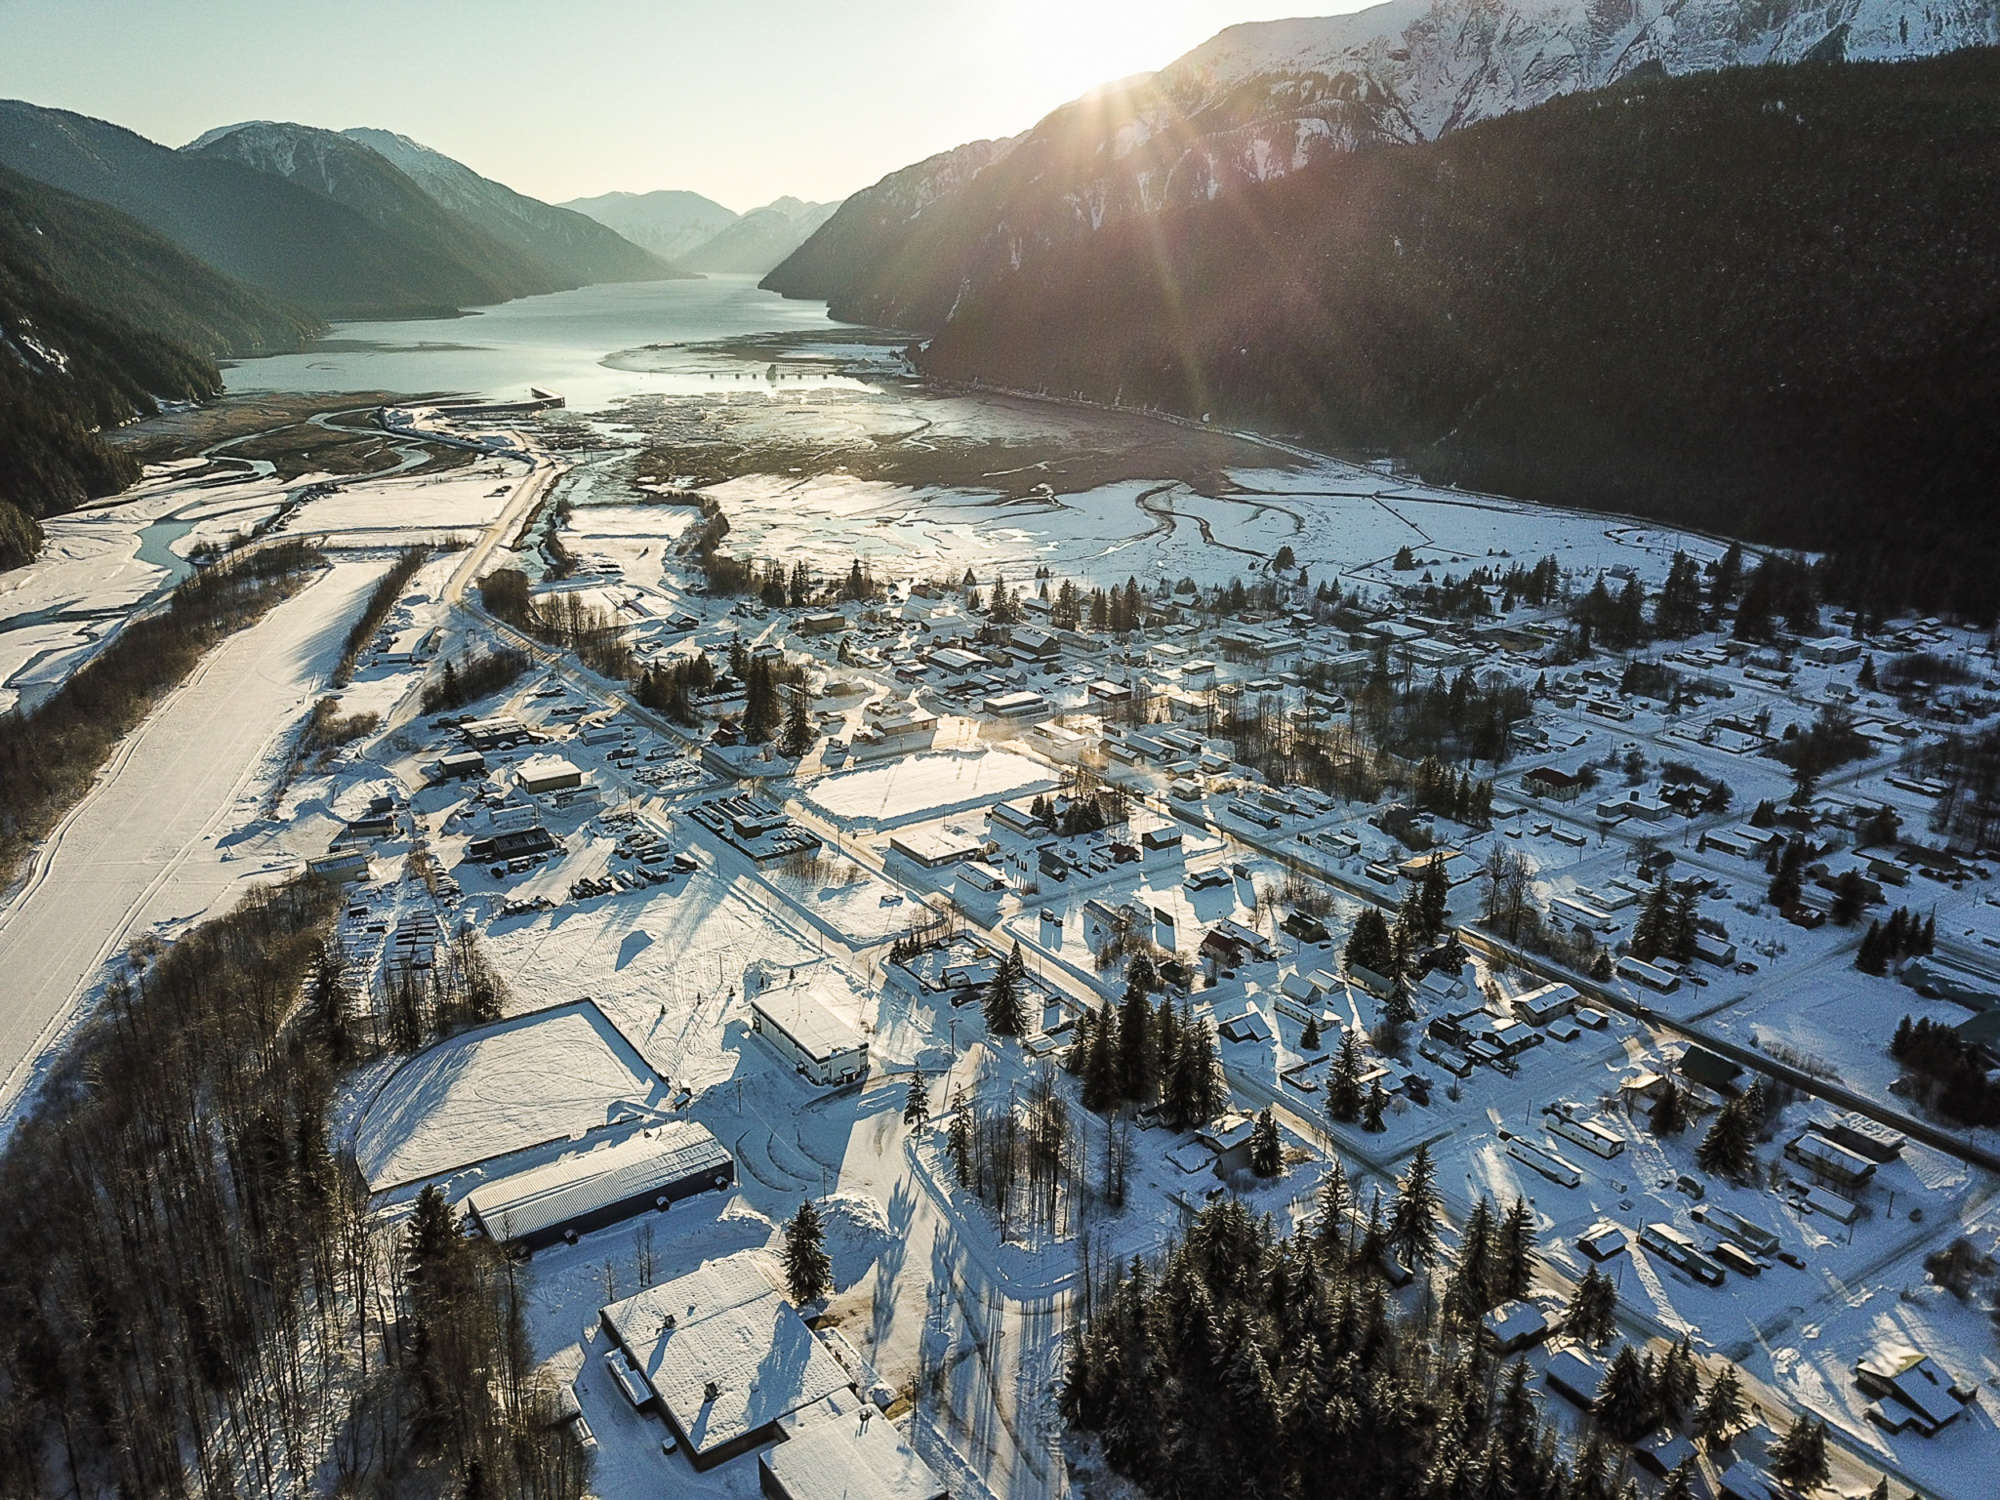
(927,785)
(525,1082)
(465,499)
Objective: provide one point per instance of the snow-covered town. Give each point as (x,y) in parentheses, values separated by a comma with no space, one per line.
(818,985)
(1232,757)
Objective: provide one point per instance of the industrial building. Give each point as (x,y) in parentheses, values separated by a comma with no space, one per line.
(561,1200)
(807,1028)
(548,773)
(727,1359)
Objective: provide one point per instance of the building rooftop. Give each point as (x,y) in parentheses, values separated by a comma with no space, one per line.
(724,1325)
(813,1014)
(844,1459)
(543,1197)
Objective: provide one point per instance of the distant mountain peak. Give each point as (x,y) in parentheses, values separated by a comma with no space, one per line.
(1265,99)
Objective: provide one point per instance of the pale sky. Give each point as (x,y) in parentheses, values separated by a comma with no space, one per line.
(742,100)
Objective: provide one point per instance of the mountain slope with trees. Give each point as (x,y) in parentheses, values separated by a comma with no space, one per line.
(445,248)
(1263,100)
(100,318)
(573,248)
(254,226)
(861,256)
(1761,300)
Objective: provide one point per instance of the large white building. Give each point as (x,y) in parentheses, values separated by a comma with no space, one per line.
(728,1361)
(808,1019)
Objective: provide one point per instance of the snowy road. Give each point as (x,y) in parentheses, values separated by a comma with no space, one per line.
(140,846)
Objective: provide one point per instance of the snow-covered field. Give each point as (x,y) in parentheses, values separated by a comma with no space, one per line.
(146,846)
(463,499)
(542,1077)
(927,785)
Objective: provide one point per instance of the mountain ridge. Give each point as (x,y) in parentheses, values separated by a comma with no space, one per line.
(573,246)
(100,318)
(252,226)
(666,221)
(1263,99)
(1758,301)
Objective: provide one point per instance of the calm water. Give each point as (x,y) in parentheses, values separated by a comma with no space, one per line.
(557,341)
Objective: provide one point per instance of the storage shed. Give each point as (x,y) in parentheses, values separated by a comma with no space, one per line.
(563,1199)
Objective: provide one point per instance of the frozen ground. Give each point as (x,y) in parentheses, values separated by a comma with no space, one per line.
(927,786)
(528,1081)
(666,964)
(463,499)
(1337,518)
(143,847)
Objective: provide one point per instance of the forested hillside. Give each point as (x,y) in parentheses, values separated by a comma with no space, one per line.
(98,318)
(859,259)
(1763,300)
(446,250)
(251,225)
(1265,99)
(573,248)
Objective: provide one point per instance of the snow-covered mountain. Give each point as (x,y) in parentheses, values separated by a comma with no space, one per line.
(1277,92)
(670,223)
(761,238)
(1264,99)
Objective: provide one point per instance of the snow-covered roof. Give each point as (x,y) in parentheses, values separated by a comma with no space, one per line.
(808,1016)
(558,1192)
(725,1324)
(843,1459)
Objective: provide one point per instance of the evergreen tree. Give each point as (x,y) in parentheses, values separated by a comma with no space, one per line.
(1678,1387)
(1102,1079)
(1727,1149)
(1138,1059)
(1309,1039)
(1799,1457)
(1267,1152)
(798,735)
(1333,1205)
(958,1140)
(1625,1398)
(1434,898)
(1399,1010)
(1514,1253)
(1006,1013)
(1872,959)
(1652,933)
(1592,1314)
(1787,881)
(917,1102)
(1369,946)
(1343,1084)
(1413,1219)
(1683,930)
(1722,1408)
(1196,1093)
(808,1271)
(1669,1116)
(1373,1107)
(1470,1295)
